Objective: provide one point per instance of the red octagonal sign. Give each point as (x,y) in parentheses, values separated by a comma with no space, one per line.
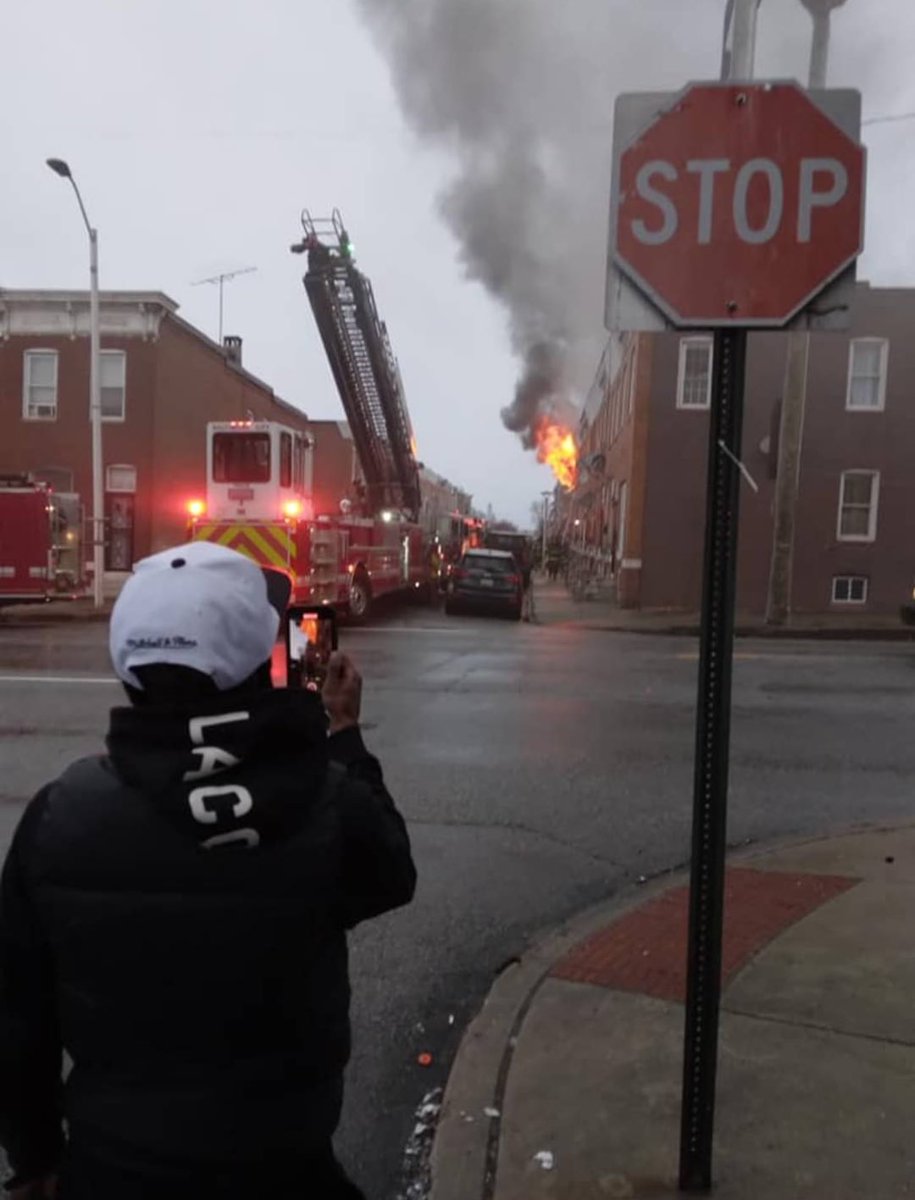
(739,204)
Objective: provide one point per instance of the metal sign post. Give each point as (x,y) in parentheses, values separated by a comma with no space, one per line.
(735,206)
(710,788)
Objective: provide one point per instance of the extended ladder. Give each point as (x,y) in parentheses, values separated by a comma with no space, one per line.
(363,364)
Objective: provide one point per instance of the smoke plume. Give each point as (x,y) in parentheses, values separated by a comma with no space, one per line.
(521,93)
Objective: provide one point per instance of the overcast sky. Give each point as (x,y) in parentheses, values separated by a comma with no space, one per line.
(198,130)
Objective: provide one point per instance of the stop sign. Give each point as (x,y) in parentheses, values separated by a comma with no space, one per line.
(738,205)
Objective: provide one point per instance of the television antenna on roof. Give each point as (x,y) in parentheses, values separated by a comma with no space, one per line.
(221,279)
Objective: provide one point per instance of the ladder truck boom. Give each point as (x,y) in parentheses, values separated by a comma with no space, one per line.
(363,365)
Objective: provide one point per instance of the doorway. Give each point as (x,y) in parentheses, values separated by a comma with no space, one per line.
(119,511)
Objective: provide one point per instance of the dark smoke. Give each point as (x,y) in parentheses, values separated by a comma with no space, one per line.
(542,389)
(521,92)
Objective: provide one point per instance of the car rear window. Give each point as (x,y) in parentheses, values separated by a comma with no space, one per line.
(483,562)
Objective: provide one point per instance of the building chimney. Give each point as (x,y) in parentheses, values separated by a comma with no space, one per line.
(232,347)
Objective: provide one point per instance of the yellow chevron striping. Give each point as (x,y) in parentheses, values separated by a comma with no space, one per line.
(277,536)
(267,549)
(265,544)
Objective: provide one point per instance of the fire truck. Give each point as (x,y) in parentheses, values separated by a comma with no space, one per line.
(259,495)
(39,541)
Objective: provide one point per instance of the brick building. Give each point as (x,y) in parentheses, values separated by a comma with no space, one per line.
(441,499)
(162,380)
(641,501)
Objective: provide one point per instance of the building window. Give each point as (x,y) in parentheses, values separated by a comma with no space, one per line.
(867,359)
(58,479)
(858,494)
(849,589)
(120,478)
(694,378)
(112,382)
(39,385)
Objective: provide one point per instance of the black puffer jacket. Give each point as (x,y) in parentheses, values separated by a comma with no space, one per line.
(173,915)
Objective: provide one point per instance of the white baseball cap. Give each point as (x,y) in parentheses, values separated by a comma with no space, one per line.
(201,606)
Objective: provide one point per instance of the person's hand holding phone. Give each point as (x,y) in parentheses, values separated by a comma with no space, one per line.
(342,693)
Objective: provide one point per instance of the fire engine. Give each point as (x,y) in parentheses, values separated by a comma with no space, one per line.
(259,495)
(39,541)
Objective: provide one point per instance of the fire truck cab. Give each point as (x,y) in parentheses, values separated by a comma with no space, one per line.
(256,470)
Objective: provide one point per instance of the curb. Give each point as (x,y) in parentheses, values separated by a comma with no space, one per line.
(465,1151)
(762,633)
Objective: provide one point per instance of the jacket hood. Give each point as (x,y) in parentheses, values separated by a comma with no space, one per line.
(238,772)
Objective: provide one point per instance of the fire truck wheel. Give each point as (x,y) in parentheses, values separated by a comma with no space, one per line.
(360,597)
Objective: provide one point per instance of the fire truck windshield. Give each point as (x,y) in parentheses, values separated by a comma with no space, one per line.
(241,458)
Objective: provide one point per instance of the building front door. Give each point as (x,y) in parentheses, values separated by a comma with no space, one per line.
(119,542)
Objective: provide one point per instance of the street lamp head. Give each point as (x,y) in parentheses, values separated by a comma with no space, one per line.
(59,167)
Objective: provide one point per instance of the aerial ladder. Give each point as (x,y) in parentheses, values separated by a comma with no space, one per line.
(364,367)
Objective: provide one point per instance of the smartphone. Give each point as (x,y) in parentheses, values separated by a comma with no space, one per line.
(311,638)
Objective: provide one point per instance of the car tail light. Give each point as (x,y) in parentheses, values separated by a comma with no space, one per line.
(514,580)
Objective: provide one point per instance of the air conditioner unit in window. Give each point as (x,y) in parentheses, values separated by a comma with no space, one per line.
(44,412)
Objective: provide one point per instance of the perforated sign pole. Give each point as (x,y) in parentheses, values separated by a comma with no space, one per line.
(710,788)
(734,207)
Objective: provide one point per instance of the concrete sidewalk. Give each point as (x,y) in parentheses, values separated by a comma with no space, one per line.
(567,1085)
(555,606)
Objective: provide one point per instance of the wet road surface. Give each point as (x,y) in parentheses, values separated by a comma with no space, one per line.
(541,769)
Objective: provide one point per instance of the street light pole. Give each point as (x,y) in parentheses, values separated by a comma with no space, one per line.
(59,167)
(794,398)
(821,12)
(546,500)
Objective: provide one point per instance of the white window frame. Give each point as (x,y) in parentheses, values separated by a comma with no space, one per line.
(871,534)
(884,345)
(122,355)
(850,579)
(687,344)
(27,356)
(116,488)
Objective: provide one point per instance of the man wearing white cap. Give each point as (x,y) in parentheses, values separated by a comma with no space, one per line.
(173,914)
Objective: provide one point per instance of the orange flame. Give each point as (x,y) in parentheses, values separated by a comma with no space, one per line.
(556,446)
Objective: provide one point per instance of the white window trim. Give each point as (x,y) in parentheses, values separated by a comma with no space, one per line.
(871,535)
(884,345)
(863,600)
(685,344)
(123,417)
(26,381)
(120,491)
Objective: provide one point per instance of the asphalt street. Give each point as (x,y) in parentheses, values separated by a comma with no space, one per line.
(541,769)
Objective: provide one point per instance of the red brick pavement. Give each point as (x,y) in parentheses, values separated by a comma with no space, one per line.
(645,950)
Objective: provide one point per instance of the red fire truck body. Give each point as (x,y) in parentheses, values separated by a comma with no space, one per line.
(36,543)
(258,502)
(259,475)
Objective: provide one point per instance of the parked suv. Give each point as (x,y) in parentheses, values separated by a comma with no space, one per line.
(486,579)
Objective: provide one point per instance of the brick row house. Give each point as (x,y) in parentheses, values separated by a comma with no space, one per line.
(640,504)
(162,380)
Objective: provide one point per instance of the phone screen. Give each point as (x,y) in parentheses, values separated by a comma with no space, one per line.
(311,638)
